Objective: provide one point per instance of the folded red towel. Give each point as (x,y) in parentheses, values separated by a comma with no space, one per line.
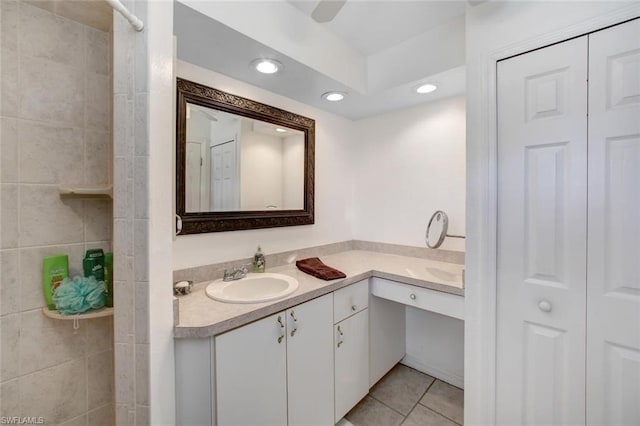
(314,266)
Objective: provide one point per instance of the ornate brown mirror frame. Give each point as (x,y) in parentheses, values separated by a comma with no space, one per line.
(195,223)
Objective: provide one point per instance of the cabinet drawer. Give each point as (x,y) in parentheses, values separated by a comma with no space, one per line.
(350,300)
(430,300)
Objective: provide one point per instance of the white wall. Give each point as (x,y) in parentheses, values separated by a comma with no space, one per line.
(409,164)
(435,345)
(198,126)
(333,187)
(260,169)
(159,72)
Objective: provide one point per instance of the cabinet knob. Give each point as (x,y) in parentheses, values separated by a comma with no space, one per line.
(354,308)
(544,305)
(412,296)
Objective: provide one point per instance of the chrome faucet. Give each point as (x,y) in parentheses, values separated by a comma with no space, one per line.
(235,273)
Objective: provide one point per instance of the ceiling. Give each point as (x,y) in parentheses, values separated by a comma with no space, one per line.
(372,26)
(377,52)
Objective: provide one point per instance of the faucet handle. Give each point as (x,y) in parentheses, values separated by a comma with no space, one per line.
(244,268)
(229,273)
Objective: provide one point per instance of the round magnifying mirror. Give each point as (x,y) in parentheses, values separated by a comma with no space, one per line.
(437,229)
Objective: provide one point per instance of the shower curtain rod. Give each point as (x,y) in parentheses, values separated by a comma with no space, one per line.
(135,22)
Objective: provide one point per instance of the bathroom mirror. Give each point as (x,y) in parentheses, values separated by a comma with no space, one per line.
(240,164)
(437,229)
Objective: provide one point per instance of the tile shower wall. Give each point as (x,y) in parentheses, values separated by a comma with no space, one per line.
(131,220)
(55,128)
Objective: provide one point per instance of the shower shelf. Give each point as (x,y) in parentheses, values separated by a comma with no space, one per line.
(97,313)
(90,192)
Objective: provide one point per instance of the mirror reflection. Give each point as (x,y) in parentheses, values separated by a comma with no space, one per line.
(437,229)
(235,163)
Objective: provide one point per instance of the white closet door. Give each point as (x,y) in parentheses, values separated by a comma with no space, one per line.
(542,175)
(613,275)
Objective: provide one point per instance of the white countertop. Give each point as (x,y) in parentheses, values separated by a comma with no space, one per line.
(200,316)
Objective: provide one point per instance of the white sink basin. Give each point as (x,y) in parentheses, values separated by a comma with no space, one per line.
(254,288)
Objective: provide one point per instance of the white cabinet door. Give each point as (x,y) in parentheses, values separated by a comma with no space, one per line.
(310,362)
(613,275)
(251,371)
(542,212)
(352,362)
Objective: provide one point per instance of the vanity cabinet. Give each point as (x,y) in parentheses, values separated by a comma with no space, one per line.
(307,365)
(251,367)
(351,347)
(310,363)
(278,370)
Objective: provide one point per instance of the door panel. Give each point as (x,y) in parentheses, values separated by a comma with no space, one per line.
(351,362)
(613,299)
(251,371)
(310,362)
(544,381)
(224,177)
(542,172)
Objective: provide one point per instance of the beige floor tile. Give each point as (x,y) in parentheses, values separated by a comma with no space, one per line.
(445,399)
(422,416)
(370,412)
(401,388)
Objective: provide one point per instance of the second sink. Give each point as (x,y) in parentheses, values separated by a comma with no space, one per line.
(254,288)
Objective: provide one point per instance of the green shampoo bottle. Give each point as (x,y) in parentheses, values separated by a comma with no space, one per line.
(54,270)
(108,278)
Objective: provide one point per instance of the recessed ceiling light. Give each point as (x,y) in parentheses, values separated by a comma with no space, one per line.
(333,96)
(280,130)
(266,66)
(426,88)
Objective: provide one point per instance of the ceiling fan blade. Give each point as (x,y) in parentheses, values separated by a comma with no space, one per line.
(326,10)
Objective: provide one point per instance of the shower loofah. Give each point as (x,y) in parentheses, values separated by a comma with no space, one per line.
(79,295)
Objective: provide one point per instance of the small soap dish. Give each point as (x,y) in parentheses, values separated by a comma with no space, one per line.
(182,288)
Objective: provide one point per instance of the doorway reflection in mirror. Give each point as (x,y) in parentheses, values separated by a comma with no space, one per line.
(234,163)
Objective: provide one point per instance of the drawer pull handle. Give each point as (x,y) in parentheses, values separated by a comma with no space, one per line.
(354,308)
(340,343)
(280,339)
(412,296)
(293,316)
(544,305)
(293,331)
(280,321)
(340,331)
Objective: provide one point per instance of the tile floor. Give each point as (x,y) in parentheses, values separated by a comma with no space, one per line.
(408,397)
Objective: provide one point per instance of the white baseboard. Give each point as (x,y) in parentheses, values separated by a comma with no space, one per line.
(445,376)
